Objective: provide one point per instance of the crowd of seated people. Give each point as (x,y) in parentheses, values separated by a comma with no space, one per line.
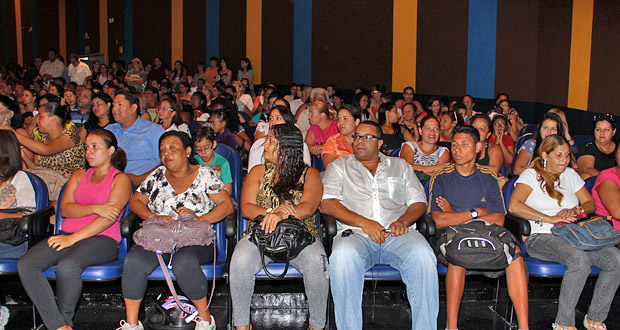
(168,122)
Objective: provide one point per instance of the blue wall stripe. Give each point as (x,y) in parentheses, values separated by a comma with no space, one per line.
(5,32)
(302,44)
(128,32)
(81,30)
(482,38)
(33,23)
(213,29)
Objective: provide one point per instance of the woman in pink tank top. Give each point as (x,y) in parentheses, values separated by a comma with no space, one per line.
(91,204)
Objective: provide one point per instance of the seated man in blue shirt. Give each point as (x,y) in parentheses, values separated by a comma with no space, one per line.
(376,200)
(138,137)
(462,192)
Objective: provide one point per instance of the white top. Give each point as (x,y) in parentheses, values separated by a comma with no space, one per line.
(55,69)
(79,73)
(295,104)
(181,128)
(246,100)
(383,197)
(20,195)
(570,182)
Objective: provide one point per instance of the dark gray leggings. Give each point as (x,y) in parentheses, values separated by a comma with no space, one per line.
(185,265)
(69,263)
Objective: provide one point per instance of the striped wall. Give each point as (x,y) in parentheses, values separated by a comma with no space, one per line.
(560,52)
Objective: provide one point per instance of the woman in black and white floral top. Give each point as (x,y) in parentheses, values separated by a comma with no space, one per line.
(179,187)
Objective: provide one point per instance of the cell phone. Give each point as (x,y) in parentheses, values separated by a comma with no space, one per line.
(387,230)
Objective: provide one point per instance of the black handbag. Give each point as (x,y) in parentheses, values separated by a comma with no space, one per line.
(9,227)
(283,244)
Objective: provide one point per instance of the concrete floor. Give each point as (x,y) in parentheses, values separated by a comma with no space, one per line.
(281,305)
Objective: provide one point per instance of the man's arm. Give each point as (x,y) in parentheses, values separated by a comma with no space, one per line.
(402,224)
(372,228)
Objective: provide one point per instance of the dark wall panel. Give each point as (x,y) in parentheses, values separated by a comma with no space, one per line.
(47,27)
(554,39)
(357,52)
(26,34)
(92,26)
(277,42)
(442,47)
(10,24)
(116,37)
(232,32)
(71,19)
(194,33)
(515,62)
(149,41)
(605,58)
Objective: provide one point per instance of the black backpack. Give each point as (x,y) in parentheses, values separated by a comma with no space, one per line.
(476,245)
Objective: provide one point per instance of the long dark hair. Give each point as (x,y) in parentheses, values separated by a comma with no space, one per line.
(92,123)
(290,163)
(381,116)
(174,106)
(17,121)
(119,157)
(356,103)
(560,132)
(10,155)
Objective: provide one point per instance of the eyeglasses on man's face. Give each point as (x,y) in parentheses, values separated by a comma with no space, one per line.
(366,137)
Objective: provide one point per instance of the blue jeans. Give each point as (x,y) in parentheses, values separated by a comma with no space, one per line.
(411,254)
(578,262)
(12,251)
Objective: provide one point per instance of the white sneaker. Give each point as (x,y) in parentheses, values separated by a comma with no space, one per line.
(127,326)
(4,316)
(204,325)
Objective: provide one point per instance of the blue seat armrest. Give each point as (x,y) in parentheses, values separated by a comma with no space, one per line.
(426,225)
(517,226)
(36,225)
(231,223)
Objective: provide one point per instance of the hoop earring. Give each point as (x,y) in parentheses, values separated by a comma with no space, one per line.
(545,164)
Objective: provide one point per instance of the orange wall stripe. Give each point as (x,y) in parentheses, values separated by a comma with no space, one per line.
(253,36)
(404,44)
(18,32)
(177,30)
(103,28)
(580,52)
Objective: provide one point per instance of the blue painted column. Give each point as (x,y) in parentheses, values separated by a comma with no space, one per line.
(33,23)
(81,30)
(302,42)
(128,32)
(213,30)
(482,38)
(5,32)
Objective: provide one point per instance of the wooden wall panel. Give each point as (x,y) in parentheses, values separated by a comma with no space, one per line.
(277,42)
(194,33)
(149,39)
(92,26)
(442,47)
(116,37)
(516,53)
(605,60)
(352,43)
(71,19)
(47,27)
(232,32)
(554,39)
(12,37)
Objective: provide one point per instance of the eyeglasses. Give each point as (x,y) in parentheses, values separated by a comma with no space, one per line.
(499,125)
(366,137)
(205,149)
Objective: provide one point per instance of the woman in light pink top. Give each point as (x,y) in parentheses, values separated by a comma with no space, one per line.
(92,204)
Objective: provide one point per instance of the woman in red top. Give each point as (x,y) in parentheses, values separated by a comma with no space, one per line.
(322,126)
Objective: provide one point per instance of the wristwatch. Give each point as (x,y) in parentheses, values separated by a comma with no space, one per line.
(269,211)
(473,213)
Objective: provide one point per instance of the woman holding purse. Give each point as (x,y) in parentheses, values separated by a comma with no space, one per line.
(179,187)
(284,186)
(550,192)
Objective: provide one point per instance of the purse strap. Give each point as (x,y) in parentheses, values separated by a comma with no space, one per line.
(164,268)
(271,276)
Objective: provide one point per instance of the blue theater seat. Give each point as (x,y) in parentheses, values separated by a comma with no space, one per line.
(35,225)
(97,273)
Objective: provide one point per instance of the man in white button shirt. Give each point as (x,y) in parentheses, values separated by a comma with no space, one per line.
(52,68)
(78,70)
(376,200)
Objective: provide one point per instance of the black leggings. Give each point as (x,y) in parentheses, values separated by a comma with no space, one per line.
(186,262)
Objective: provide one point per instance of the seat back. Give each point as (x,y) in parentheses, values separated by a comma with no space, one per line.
(590,183)
(317,163)
(580,140)
(40,191)
(122,252)
(395,153)
(234,160)
(509,187)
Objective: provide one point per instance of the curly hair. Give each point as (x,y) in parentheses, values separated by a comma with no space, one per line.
(547,180)
(290,164)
